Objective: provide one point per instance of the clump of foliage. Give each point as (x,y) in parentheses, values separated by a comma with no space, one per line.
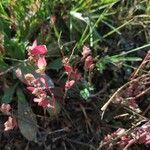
(77,70)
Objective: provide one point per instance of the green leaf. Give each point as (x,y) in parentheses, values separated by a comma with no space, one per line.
(122,59)
(26,118)
(102,63)
(8,94)
(15,49)
(108,1)
(3,65)
(2,11)
(56,64)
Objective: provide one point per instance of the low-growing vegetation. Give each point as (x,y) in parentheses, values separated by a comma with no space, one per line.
(74,74)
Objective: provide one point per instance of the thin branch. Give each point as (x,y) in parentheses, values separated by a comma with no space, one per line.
(104,107)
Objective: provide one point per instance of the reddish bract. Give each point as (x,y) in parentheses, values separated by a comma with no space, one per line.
(68,69)
(86,51)
(88,65)
(39,50)
(5,108)
(10,123)
(69,84)
(41,62)
(41,102)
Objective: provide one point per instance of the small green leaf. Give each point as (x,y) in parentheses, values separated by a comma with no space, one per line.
(26,118)
(8,94)
(85,93)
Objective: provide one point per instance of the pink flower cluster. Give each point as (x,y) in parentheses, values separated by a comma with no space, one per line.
(11,122)
(88,59)
(38,82)
(140,135)
(72,73)
(38,87)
